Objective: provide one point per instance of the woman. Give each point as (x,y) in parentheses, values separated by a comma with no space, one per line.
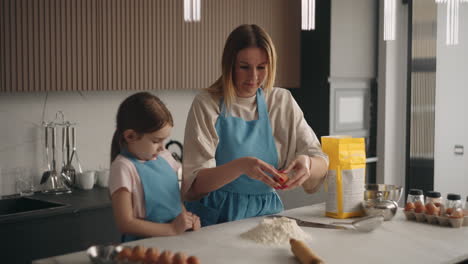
(240,131)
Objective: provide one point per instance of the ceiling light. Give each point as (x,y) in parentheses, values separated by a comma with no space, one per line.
(308,14)
(452,20)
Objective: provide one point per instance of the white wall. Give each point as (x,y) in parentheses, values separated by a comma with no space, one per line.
(451,109)
(21,115)
(391,121)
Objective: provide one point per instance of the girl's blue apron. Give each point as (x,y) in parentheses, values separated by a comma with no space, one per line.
(244,197)
(161,191)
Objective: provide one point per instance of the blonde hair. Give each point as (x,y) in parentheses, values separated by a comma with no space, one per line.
(244,36)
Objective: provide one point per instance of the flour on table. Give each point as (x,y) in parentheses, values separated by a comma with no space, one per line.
(275,231)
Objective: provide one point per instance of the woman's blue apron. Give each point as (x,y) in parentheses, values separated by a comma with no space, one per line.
(161,191)
(244,197)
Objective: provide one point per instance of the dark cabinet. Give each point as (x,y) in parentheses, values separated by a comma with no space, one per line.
(77,228)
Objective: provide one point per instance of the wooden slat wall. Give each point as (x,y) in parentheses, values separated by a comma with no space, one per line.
(67,45)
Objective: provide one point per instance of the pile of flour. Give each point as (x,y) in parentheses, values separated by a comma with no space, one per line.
(275,231)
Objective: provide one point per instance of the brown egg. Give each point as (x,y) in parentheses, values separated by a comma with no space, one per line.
(151,256)
(409,206)
(138,253)
(419,207)
(431,209)
(179,258)
(125,254)
(165,257)
(456,214)
(284,177)
(193,260)
(448,211)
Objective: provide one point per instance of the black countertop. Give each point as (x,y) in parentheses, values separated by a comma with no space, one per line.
(77,201)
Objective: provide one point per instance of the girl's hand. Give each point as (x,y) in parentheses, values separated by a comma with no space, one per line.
(301,168)
(196,223)
(258,169)
(182,222)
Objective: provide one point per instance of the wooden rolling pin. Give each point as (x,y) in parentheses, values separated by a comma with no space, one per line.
(304,253)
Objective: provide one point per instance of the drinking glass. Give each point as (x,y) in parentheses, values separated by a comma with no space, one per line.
(23,181)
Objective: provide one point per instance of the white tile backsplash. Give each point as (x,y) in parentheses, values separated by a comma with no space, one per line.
(22,136)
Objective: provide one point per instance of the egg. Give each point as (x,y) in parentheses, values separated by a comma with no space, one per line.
(124,254)
(456,214)
(449,211)
(138,253)
(432,209)
(283,177)
(179,258)
(193,260)
(165,257)
(409,206)
(151,256)
(419,207)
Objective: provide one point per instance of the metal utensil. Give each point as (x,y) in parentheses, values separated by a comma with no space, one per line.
(55,183)
(46,173)
(311,224)
(365,224)
(68,171)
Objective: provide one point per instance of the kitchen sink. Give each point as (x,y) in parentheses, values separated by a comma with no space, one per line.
(20,205)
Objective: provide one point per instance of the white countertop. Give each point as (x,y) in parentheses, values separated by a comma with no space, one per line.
(396,241)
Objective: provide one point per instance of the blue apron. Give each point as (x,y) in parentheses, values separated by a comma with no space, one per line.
(244,197)
(161,191)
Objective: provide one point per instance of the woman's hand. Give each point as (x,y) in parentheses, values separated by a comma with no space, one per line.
(301,168)
(183,222)
(258,169)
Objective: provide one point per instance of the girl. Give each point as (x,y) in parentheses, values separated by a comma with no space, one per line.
(143,184)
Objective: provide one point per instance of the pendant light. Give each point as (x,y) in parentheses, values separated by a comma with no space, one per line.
(308,14)
(192,10)
(452,20)
(389,19)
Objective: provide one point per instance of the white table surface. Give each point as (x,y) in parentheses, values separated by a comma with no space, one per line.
(396,241)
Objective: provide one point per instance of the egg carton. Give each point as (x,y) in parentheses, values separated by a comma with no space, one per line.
(436,219)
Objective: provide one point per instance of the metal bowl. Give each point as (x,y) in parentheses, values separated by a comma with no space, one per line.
(387,191)
(103,254)
(385,208)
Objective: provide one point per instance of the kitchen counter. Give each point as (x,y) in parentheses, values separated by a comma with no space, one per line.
(78,200)
(396,241)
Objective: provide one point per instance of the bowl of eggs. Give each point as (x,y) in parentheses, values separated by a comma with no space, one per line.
(110,254)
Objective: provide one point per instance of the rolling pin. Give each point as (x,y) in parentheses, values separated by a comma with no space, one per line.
(304,253)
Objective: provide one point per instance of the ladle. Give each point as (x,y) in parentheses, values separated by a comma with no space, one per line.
(365,224)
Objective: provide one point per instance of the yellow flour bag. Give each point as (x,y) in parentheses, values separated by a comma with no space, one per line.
(345,182)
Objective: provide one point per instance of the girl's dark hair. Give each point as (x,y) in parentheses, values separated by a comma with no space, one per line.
(142,112)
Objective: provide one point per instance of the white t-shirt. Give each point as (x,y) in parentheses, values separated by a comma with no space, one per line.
(123,174)
(293,136)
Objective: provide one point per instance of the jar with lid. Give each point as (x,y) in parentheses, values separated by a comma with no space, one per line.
(466,206)
(414,203)
(434,197)
(453,205)
(415,195)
